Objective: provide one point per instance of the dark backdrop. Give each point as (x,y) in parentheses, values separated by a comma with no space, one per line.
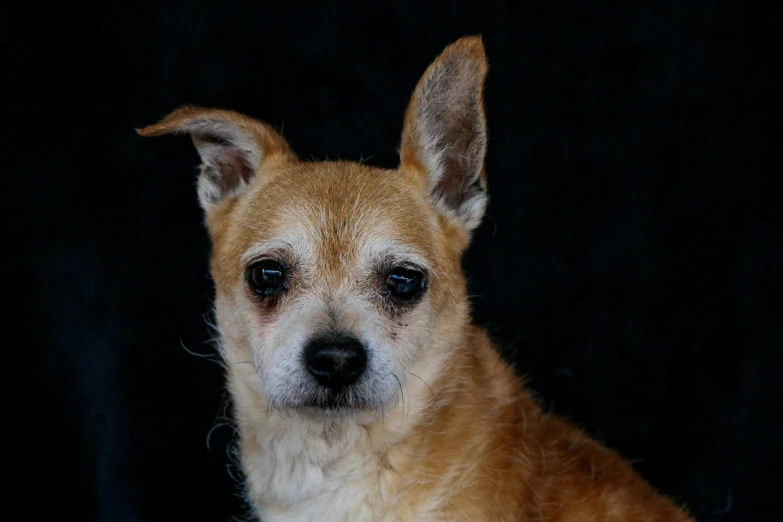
(630,264)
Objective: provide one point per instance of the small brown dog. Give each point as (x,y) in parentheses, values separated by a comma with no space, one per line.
(362,390)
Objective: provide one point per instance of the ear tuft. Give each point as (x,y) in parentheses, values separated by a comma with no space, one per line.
(232,147)
(445,131)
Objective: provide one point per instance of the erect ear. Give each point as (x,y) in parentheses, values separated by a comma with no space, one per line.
(445,135)
(232,148)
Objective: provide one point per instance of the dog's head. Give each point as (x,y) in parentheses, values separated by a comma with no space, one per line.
(336,279)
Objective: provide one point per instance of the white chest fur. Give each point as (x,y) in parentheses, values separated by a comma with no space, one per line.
(298,470)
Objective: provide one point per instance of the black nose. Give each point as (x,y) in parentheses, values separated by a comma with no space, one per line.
(335,361)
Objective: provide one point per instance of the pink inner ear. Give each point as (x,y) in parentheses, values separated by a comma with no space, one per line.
(232,169)
(461,161)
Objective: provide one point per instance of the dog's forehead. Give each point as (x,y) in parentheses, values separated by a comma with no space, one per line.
(338,213)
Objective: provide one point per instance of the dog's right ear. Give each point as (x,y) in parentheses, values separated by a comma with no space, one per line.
(232,147)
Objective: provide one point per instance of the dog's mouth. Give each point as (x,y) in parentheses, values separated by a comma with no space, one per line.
(371,394)
(337,399)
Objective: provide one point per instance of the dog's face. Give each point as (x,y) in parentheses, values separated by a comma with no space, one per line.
(336,279)
(337,274)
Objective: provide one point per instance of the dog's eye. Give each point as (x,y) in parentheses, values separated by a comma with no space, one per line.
(405,283)
(266,277)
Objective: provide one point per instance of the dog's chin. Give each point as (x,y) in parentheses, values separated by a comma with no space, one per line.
(335,400)
(335,404)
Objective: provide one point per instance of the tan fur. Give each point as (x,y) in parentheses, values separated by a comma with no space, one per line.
(461,440)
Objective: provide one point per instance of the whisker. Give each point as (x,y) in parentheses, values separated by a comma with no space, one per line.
(425,383)
(208,356)
(402,394)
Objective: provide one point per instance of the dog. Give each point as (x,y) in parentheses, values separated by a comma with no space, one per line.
(362,389)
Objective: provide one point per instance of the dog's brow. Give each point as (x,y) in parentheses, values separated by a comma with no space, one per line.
(398,251)
(264,247)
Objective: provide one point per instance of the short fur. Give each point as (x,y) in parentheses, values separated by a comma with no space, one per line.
(439,428)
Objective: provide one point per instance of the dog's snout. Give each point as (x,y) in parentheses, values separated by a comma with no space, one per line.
(336,361)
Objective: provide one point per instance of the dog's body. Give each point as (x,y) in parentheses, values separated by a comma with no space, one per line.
(362,391)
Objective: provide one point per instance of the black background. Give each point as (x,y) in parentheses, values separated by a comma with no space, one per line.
(630,263)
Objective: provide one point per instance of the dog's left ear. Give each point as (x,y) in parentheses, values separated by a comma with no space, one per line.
(445,131)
